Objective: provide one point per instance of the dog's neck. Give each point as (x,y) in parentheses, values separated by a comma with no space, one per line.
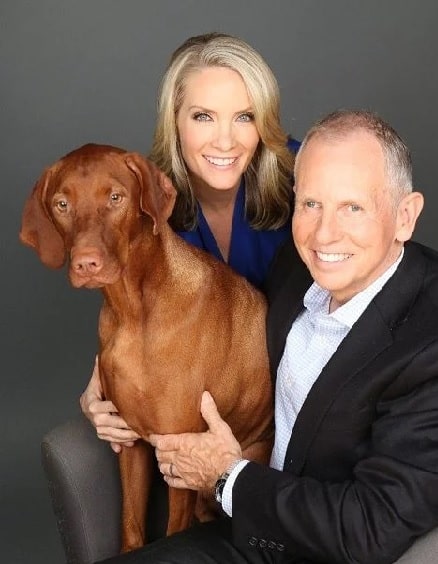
(154,262)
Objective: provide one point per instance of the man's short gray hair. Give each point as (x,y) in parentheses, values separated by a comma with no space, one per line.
(341,123)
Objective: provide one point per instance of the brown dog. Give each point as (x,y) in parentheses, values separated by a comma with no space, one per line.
(174,321)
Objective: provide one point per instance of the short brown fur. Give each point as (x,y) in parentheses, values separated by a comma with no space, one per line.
(174,321)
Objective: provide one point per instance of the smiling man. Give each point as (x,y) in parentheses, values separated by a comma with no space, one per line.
(354,208)
(353,343)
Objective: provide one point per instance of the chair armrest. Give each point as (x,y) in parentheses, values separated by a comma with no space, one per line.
(84,484)
(423,551)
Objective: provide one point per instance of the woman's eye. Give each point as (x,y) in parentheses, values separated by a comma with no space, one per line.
(116,198)
(246,117)
(201,116)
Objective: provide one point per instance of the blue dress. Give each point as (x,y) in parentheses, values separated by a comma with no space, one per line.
(251,250)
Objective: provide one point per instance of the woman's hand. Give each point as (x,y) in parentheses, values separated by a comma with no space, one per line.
(196,460)
(104,415)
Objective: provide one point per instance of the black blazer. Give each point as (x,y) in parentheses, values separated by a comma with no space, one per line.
(360,480)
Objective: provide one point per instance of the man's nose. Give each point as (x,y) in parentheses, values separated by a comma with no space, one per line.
(328,228)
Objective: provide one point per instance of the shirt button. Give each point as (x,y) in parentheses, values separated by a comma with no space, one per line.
(252,541)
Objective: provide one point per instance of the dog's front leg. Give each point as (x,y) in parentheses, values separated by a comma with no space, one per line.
(181,509)
(136,476)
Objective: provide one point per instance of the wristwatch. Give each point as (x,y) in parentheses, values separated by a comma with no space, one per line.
(221,481)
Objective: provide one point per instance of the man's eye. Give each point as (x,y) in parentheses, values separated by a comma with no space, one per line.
(201,116)
(310,204)
(354,207)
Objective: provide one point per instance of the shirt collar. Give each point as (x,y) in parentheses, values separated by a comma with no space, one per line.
(317,299)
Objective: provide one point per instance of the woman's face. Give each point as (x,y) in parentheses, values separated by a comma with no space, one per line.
(216,128)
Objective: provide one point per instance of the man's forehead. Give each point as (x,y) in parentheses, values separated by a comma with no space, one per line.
(359,149)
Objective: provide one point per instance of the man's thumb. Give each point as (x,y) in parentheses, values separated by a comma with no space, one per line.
(209,411)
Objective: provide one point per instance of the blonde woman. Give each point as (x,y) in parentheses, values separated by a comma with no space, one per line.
(218,137)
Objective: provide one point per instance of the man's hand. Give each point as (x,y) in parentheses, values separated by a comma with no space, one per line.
(196,460)
(104,415)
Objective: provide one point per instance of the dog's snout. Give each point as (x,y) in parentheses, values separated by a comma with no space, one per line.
(86,262)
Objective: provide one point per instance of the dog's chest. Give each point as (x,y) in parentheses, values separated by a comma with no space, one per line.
(121,347)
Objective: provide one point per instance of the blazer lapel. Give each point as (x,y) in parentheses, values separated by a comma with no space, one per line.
(369,336)
(285,306)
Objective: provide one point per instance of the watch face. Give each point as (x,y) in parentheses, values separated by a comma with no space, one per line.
(219,488)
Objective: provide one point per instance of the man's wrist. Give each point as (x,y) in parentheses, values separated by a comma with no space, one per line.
(221,481)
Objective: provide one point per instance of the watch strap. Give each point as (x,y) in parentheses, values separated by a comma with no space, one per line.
(221,481)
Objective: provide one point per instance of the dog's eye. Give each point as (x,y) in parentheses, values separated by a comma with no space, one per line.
(116,198)
(61,205)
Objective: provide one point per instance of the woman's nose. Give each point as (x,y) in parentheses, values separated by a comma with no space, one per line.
(224,138)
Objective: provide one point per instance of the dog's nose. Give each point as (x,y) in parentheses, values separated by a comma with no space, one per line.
(86,262)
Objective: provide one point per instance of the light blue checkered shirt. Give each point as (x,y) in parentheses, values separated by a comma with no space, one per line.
(312,340)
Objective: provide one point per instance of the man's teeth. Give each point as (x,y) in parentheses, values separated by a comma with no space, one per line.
(221,162)
(332,257)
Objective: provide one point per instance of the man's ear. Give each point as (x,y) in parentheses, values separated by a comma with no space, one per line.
(408,212)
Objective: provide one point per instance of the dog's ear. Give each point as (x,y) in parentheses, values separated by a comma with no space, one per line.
(37,229)
(157,193)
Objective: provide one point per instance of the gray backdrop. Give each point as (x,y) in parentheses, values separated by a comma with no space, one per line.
(88,70)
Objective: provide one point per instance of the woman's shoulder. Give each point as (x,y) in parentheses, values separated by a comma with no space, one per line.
(293,144)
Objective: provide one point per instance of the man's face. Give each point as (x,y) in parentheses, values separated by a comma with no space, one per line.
(345,224)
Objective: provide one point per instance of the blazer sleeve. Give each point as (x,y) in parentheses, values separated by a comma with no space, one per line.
(390,499)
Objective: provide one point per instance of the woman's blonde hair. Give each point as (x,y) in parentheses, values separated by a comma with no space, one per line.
(268,178)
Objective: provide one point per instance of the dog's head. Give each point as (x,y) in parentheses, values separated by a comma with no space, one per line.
(94,200)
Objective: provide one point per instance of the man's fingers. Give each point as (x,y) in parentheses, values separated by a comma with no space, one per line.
(176,441)
(176,482)
(166,442)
